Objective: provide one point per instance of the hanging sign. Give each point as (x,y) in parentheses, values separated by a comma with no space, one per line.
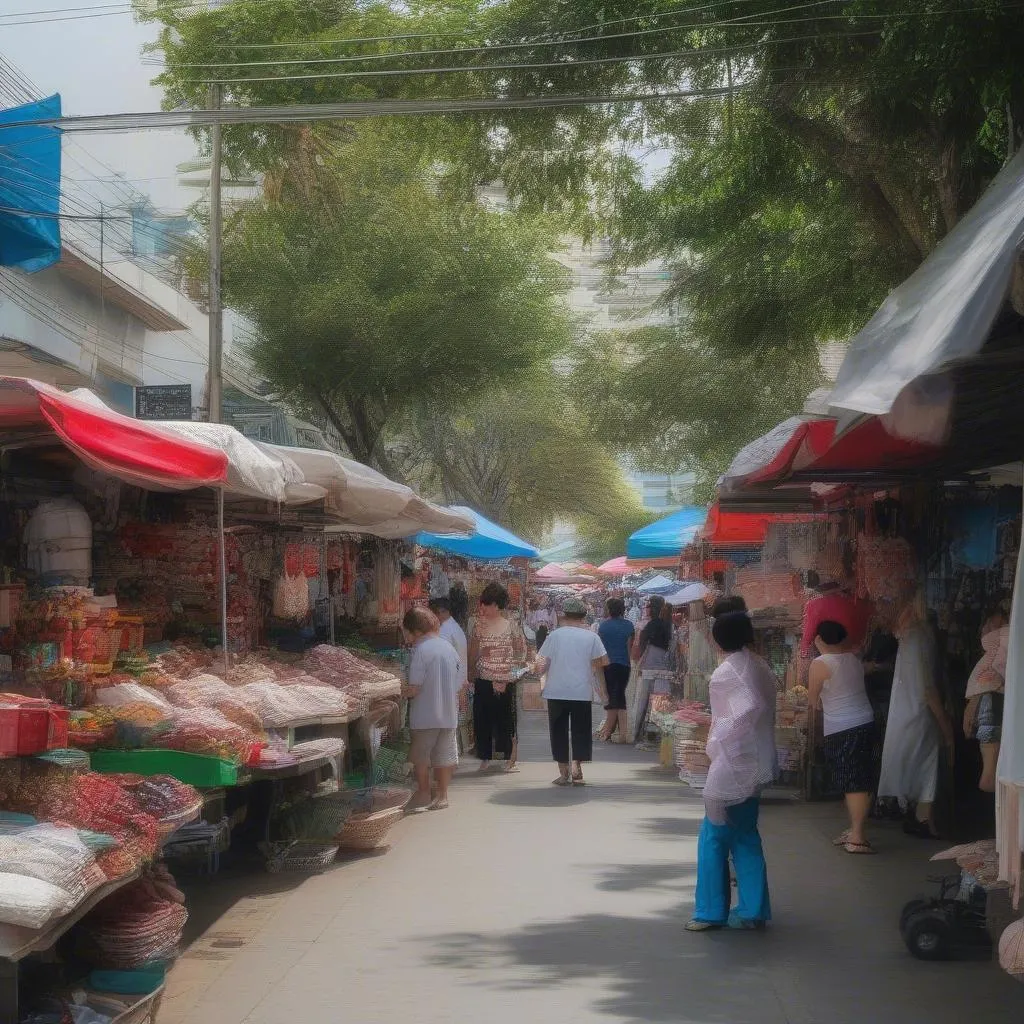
(164,402)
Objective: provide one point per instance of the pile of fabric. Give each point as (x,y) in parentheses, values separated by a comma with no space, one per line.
(886,568)
(45,872)
(137,925)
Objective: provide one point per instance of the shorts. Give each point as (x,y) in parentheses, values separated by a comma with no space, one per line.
(437,747)
(616,679)
(990,718)
(851,758)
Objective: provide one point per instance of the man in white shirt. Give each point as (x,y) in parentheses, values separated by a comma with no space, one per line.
(569,658)
(452,632)
(435,678)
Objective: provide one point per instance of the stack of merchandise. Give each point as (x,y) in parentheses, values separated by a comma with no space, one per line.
(692,721)
(791,729)
(138,925)
(341,668)
(122,833)
(45,872)
(886,568)
(170,802)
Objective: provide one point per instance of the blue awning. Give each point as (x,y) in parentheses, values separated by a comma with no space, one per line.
(488,542)
(668,536)
(30,187)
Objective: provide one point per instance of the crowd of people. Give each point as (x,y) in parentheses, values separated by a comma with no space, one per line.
(580,660)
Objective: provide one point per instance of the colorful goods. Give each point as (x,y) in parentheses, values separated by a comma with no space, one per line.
(53,854)
(30,902)
(886,569)
(161,796)
(30,725)
(207,691)
(291,598)
(139,924)
(207,731)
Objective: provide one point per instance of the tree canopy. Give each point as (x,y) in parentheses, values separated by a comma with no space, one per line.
(371,294)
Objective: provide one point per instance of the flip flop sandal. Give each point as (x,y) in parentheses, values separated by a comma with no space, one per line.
(842,839)
(579,780)
(703,926)
(562,780)
(859,849)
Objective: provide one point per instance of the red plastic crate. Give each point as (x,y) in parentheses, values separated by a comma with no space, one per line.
(31,726)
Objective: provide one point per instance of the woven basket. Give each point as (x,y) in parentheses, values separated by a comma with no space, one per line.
(366,831)
(380,798)
(299,857)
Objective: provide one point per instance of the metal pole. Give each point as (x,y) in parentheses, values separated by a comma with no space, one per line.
(223,581)
(216,312)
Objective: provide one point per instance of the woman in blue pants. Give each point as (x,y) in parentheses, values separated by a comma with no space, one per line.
(741,747)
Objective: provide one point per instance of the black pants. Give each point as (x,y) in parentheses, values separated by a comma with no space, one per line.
(575,717)
(542,635)
(494,720)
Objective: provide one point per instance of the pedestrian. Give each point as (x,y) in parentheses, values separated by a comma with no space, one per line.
(435,678)
(568,660)
(452,632)
(497,648)
(917,725)
(652,652)
(836,678)
(542,620)
(616,634)
(741,748)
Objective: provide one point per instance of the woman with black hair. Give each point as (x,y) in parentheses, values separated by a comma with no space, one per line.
(497,648)
(741,748)
(652,652)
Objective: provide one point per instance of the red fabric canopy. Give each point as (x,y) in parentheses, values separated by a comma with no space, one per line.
(132,450)
(868,446)
(743,529)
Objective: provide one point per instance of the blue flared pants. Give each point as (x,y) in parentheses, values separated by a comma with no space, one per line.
(740,839)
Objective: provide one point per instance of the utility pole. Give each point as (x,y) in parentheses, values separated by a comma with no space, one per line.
(215,387)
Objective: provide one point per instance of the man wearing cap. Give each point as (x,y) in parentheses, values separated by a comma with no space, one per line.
(568,660)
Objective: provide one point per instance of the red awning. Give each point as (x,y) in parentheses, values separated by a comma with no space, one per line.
(744,529)
(771,457)
(134,451)
(868,448)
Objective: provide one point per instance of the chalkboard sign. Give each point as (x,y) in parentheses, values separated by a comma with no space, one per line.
(164,402)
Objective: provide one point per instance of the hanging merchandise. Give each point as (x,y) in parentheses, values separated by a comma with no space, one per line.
(886,569)
(58,542)
(291,597)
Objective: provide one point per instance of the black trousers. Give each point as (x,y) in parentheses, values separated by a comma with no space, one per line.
(494,720)
(573,717)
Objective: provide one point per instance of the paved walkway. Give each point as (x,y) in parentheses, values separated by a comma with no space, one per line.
(528,903)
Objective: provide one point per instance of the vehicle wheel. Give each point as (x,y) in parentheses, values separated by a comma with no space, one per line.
(928,935)
(911,908)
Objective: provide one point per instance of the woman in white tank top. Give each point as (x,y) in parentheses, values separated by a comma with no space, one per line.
(836,679)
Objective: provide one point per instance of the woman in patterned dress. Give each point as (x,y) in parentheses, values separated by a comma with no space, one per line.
(497,648)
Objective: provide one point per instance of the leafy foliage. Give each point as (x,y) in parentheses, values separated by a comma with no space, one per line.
(371,294)
(526,456)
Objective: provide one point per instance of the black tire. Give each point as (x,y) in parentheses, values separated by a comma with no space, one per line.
(928,935)
(910,909)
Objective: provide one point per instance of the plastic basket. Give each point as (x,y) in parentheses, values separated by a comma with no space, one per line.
(199,770)
(366,831)
(299,857)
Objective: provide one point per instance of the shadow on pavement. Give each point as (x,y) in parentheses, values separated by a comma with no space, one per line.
(634,877)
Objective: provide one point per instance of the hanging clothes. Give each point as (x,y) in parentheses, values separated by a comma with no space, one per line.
(910,754)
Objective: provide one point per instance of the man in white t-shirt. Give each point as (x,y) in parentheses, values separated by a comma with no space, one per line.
(569,660)
(452,632)
(435,678)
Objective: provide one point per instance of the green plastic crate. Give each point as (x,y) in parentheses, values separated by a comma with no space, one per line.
(196,769)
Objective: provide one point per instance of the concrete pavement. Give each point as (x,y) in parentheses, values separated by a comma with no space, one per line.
(525,902)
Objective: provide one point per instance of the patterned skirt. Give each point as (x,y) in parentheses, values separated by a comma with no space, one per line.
(850,757)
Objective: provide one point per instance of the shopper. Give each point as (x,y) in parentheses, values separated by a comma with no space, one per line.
(616,634)
(568,661)
(917,725)
(497,648)
(452,632)
(741,747)
(542,620)
(652,652)
(836,678)
(435,678)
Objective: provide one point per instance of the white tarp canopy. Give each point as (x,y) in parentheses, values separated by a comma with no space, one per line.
(944,311)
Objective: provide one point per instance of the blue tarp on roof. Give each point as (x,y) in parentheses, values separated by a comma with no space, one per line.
(489,542)
(30,181)
(668,536)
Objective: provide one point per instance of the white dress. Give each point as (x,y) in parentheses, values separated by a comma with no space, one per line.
(910,755)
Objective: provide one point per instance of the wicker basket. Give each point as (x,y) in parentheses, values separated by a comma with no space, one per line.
(380,798)
(366,830)
(308,857)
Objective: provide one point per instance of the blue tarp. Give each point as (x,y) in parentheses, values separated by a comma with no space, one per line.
(668,536)
(489,542)
(30,180)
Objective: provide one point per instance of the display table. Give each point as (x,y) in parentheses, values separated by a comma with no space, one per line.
(17,943)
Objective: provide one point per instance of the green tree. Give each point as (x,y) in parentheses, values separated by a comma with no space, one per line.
(527,456)
(370,294)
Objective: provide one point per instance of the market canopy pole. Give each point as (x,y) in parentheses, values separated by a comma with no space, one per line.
(223,582)
(215,318)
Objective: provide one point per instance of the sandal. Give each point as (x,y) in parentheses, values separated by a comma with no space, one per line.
(860,849)
(703,926)
(438,805)
(842,839)
(562,780)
